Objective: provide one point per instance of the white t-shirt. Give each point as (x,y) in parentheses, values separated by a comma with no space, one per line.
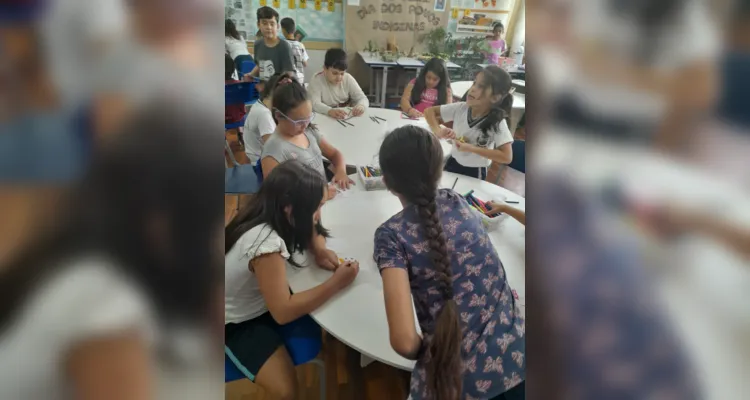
(85,301)
(242,297)
(459,114)
(259,122)
(235,47)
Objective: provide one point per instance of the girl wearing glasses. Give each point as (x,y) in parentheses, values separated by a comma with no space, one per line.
(296,138)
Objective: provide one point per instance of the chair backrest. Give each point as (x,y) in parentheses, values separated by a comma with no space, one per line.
(246,66)
(519,156)
(240,93)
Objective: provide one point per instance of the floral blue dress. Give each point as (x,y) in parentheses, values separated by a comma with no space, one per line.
(493,342)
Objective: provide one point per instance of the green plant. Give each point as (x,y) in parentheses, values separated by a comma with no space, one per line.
(436,40)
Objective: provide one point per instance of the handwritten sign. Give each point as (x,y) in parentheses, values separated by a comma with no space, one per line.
(317,5)
(331,6)
(303,4)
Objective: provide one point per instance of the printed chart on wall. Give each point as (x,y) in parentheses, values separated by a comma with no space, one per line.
(319,20)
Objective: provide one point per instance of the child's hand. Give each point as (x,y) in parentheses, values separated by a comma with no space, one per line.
(466,147)
(414,113)
(332,190)
(342,180)
(337,113)
(447,133)
(327,260)
(495,208)
(358,110)
(344,275)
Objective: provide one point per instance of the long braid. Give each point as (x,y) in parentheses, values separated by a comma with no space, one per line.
(444,377)
(411,159)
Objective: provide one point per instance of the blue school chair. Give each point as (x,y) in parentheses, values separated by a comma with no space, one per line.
(303,341)
(519,156)
(239,178)
(239,93)
(245,67)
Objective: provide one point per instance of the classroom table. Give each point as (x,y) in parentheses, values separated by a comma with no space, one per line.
(356,316)
(360,143)
(373,61)
(519,101)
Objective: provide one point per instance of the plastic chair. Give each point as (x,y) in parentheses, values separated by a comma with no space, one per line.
(239,93)
(239,178)
(246,67)
(519,156)
(303,341)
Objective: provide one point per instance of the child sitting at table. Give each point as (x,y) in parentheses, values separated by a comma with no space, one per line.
(480,131)
(437,251)
(261,244)
(296,138)
(232,112)
(259,124)
(430,88)
(493,46)
(334,88)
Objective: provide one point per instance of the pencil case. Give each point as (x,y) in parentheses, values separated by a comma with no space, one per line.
(371,177)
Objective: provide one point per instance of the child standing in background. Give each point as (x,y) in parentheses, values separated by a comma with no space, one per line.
(480,131)
(494,46)
(335,88)
(235,46)
(289,28)
(272,54)
(437,252)
(296,139)
(232,112)
(430,88)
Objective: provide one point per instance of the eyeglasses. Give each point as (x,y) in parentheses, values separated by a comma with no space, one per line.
(302,123)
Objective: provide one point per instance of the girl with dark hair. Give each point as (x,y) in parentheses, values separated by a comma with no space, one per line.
(430,88)
(296,138)
(480,131)
(438,251)
(260,124)
(260,244)
(235,45)
(494,46)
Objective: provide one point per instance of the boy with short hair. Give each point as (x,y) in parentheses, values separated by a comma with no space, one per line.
(334,88)
(288,29)
(272,54)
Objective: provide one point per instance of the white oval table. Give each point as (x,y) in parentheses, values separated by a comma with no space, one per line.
(356,316)
(360,143)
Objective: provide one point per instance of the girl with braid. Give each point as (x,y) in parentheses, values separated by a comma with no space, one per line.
(437,250)
(480,131)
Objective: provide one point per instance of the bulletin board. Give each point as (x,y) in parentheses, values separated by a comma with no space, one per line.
(402,21)
(321,21)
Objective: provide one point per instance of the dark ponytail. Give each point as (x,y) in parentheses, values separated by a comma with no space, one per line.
(499,82)
(279,79)
(411,159)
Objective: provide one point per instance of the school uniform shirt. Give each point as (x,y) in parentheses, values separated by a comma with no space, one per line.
(300,57)
(281,150)
(235,47)
(272,60)
(243,300)
(89,298)
(460,114)
(428,98)
(493,343)
(259,122)
(326,96)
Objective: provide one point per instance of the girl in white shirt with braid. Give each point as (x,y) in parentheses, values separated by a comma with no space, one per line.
(480,131)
